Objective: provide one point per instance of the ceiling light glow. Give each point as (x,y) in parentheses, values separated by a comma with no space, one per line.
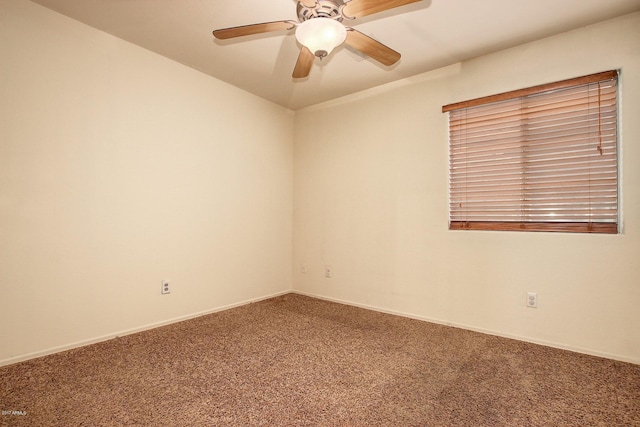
(321,35)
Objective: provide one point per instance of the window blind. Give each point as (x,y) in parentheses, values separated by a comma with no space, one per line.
(539,159)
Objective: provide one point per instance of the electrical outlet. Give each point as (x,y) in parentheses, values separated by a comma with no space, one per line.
(166,289)
(327,271)
(532,300)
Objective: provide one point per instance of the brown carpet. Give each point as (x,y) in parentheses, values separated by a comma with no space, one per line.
(299,361)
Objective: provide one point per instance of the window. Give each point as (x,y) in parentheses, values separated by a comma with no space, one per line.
(537,159)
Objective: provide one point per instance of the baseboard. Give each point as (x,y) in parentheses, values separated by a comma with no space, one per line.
(476,329)
(53,350)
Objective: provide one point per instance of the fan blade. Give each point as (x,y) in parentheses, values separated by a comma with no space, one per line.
(247,30)
(370,47)
(360,8)
(303,66)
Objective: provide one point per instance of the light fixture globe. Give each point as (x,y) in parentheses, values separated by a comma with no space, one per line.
(321,35)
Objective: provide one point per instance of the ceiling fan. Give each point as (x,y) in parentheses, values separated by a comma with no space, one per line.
(320,29)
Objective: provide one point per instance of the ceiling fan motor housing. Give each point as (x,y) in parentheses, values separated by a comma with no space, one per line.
(323,9)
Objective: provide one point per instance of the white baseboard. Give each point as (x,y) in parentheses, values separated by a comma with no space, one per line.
(476,329)
(34,355)
(107,337)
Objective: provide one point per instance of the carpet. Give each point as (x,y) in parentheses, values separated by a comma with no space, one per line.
(300,361)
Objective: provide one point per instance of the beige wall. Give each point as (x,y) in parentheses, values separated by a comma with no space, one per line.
(120,168)
(370,200)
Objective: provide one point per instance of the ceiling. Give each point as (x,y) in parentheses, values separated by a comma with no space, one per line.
(429,34)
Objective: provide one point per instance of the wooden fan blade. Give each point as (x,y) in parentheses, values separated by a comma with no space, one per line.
(360,8)
(247,30)
(370,47)
(303,66)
